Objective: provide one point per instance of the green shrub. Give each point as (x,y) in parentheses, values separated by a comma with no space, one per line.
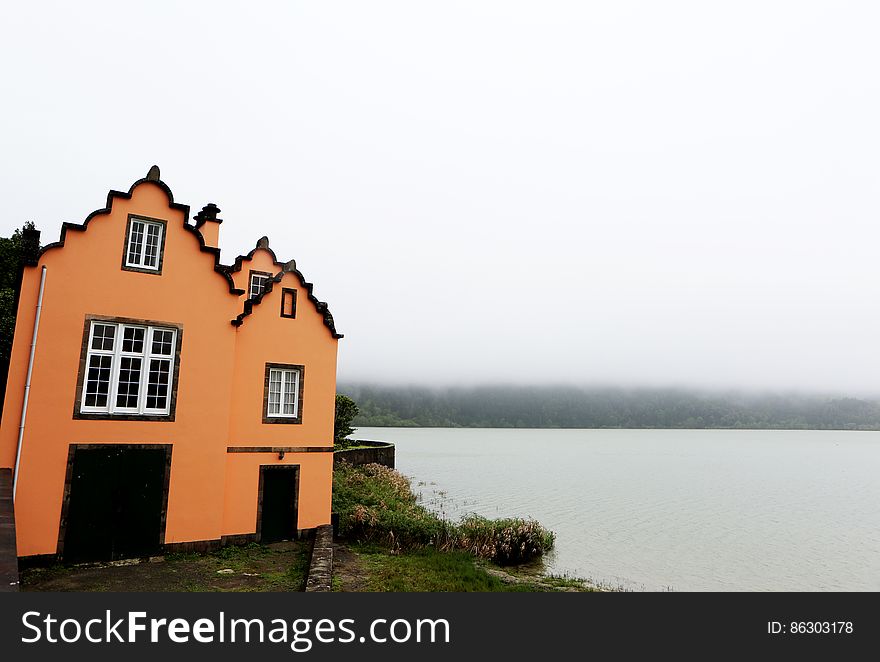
(346,410)
(504,541)
(377,504)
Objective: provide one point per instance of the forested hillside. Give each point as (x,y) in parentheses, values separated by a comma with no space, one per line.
(572,407)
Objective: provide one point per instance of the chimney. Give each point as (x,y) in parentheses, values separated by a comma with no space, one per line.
(29,257)
(209,225)
(30,245)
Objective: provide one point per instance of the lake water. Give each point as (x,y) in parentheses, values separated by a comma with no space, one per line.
(683,510)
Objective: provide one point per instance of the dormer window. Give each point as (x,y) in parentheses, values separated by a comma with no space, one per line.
(144,244)
(257,283)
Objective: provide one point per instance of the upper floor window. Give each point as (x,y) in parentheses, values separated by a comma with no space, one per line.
(144,243)
(258,282)
(282,394)
(128,369)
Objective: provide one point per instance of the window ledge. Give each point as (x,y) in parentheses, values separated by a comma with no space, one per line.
(289,420)
(98,416)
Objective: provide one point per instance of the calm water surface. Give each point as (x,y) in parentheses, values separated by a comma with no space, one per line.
(669,509)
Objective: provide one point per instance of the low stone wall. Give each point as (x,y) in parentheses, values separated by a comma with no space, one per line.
(8,558)
(379,452)
(321,565)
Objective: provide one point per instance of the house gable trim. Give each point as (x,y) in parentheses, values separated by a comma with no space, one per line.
(288,267)
(153,178)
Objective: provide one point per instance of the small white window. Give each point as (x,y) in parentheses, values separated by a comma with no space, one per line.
(129,368)
(283,400)
(144,247)
(258,282)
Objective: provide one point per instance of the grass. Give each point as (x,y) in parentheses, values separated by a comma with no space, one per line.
(428,570)
(432,570)
(253,567)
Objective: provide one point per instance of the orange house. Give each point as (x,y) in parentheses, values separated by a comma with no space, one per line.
(170,402)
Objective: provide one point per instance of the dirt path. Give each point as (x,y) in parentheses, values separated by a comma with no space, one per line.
(349,574)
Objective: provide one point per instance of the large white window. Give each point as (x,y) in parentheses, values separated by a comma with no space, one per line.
(143,250)
(258,282)
(283,395)
(129,369)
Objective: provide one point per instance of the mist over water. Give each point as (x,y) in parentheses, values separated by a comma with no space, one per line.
(531,406)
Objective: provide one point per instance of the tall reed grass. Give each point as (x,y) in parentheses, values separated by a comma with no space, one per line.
(377,504)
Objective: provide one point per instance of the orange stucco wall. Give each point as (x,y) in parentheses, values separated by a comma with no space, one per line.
(242,477)
(304,340)
(212,492)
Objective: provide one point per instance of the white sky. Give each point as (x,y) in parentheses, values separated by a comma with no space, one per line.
(649,193)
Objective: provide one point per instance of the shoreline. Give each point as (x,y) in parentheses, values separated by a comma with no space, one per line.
(655,429)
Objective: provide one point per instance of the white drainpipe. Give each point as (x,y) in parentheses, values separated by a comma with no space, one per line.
(27,383)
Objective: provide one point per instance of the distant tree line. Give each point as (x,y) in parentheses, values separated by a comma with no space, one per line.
(573,407)
(11,253)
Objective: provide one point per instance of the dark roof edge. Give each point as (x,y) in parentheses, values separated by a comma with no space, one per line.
(262,242)
(287,267)
(153,178)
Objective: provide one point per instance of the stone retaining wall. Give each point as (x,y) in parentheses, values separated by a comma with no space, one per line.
(379,452)
(321,565)
(8,558)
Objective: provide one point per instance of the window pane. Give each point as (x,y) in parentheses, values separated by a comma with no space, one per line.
(102,336)
(258,282)
(274,392)
(163,342)
(151,255)
(98,381)
(129,382)
(127,367)
(135,242)
(157,384)
(133,339)
(290,379)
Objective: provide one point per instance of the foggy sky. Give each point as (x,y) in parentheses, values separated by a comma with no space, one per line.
(637,193)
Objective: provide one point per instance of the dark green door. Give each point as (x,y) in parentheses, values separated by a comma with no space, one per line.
(117,503)
(278,502)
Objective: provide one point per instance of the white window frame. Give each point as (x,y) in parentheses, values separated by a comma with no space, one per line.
(146,356)
(143,251)
(284,391)
(254,276)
